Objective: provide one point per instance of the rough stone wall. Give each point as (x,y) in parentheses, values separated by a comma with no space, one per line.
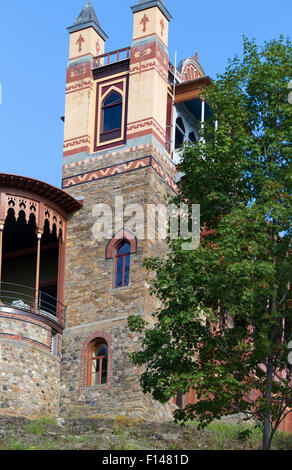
(29,372)
(30,380)
(93,303)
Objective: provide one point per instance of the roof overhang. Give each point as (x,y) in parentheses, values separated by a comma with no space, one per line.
(191,90)
(55,195)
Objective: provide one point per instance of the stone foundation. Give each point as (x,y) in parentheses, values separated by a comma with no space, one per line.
(29,372)
(30,380)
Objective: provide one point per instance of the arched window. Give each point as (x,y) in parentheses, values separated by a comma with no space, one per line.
(179,133)
(122,264)
(97,363)
(112,108)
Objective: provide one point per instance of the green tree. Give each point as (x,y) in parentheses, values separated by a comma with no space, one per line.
(225,319)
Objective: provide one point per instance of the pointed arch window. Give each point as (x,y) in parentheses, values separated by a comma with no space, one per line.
(97,363)
(122,264)
(112,108)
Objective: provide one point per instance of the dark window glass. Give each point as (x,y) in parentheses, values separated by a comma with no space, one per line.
(179,133)
(123,265)
(112,112)
(104,371)
(192,137)
(113,98)
(180,124)
(179,138)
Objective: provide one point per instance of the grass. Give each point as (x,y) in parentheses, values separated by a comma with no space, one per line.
(38,426)
(127,434)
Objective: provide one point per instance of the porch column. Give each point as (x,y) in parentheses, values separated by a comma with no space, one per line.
(1,244)
(203,117)
(37,278)
(61,276)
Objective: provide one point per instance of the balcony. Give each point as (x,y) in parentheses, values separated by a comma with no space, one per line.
(29,300)
(111,57)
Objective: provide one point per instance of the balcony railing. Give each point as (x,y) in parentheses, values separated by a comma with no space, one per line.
(111,57)
(26,298)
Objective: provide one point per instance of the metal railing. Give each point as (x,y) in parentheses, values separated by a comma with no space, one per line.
(111,57)
(28,299)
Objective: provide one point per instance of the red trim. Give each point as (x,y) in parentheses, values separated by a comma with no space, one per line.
(78,87)
(85,355)
(76,138)
(77,150)
(149,131)
(121,235)
(79,72)
(99,110)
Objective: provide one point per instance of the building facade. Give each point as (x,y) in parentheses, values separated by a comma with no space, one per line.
(117,152)
(123,127)
(71,260)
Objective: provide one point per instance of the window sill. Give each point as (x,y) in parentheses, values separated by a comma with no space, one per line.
(92,388)
(118,289)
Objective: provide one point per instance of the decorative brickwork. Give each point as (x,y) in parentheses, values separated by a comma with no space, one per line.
(122,234)
(119,170)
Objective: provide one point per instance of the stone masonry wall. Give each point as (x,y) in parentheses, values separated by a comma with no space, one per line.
(29,372)
(30,380)
(94,305)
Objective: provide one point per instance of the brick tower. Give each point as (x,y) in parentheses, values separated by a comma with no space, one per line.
(116,144)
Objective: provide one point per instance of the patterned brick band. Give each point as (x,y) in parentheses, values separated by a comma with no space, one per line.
(119,170)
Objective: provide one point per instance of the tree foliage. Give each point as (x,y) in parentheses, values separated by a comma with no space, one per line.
(225,318)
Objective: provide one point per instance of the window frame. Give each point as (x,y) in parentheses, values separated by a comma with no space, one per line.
(116,137)
(181,131)
(91,358)
(104,107)
(116,260)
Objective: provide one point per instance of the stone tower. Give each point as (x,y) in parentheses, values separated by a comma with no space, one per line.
(71,260)
(116,145)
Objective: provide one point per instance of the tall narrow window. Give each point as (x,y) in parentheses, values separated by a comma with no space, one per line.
(122,264)
(97,363)
(112,112)
(179,133)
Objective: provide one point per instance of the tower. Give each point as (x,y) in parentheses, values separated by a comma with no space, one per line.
(115,154)
(71,261)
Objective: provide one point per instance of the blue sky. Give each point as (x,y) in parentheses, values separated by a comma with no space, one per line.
(34,54)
